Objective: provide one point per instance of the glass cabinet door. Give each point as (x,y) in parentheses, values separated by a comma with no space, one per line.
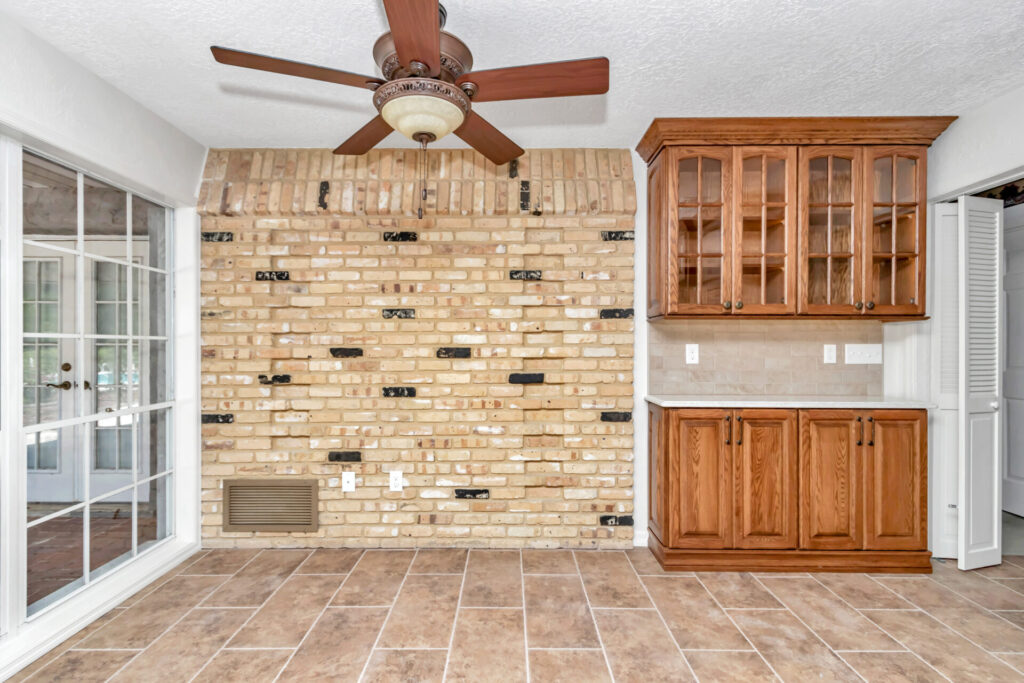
(764,263)
(895,236)
(831,234)
(701,239)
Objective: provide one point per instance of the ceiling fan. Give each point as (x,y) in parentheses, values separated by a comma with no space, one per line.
(428,89)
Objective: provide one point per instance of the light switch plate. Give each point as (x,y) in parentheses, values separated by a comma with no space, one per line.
(830,353)
(692,354)
(348,482)
(863,354)
(395,480)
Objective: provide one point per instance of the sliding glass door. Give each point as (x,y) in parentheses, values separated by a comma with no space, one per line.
(96,401)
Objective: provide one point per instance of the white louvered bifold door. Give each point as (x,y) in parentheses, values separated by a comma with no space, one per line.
(980,502)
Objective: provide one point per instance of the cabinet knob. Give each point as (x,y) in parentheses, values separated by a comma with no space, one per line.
(739,305)
(871,305)
(727,305)
(859,305)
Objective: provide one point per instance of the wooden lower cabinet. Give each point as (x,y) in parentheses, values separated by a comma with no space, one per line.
(789,490)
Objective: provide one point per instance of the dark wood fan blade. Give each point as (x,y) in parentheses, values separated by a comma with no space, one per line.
(416,30)
(552,79)
(250,60)
(365,138)
(488,140)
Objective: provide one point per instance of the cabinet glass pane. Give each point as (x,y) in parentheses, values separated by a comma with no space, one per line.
(906,280)
(882,182)
(842,180)
(775,280)
(842,231)
(687,280)
(688,180)
(688,230)
(711,230)
(882,233)
(817,181)
(752,230)
(711,281)
(817,280)
(750,284)
(775,230)
(906,229)
(841,281)
(817,230)
(711,181)
(906,180)
(751,191)
(775,180)
(881,281)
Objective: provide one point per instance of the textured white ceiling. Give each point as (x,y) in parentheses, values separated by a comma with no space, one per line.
(669,58)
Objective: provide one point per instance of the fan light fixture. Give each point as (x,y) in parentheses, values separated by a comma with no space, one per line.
(422,109)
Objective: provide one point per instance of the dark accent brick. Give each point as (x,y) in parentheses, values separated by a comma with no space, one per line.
(453,352)
(526,378)
(321,199)
(399,392)
(275,379)
(342,352)
(218,237)
(616,520)
(618,235)
(524,274)
(524,195)
(224,419)
(615,416)
(344,456)
(405,313)
(279,275)
(513,168)
(616,313)
(401,237)
(472,493)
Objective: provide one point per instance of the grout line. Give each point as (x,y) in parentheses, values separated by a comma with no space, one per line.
(737,627)
(316,621)
(251,616)
(600,640)
(387,617)
(663,622)
(455,621)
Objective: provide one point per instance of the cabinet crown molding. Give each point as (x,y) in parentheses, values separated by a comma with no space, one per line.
(802,130)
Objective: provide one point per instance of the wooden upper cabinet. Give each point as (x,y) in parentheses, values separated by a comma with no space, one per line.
(809,216)
(830,460)
(831,231)
(895,480)
(700,479)
(765,455)
(894,208)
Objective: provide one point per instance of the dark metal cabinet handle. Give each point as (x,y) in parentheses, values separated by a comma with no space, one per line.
(728,438)
(739,305)
(859,305)
(739,439)
(727,305)
(871,305)
(872,441)
(860,439)
(65,385)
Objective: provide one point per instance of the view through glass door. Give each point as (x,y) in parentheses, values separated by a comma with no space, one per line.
(96,403)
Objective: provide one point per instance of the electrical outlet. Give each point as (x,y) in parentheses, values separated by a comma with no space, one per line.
(692,354)
(863,354)
(830,353)
(395,480)
(348,482)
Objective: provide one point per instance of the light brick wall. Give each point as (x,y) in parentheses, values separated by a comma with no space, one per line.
(487,347)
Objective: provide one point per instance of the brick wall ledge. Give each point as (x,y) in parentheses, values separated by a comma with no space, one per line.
(385,182)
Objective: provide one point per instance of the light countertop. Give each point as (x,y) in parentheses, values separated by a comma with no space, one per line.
(837,402)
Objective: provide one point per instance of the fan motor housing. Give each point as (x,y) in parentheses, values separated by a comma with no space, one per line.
(456,59)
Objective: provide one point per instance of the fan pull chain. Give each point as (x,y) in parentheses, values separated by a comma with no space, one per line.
(423,175)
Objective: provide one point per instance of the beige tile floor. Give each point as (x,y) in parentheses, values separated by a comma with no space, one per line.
(544,615)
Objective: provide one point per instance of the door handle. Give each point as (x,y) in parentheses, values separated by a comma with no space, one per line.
(872,441)
(65,385)
(860,439)
(728,438)
(739,424)
(994,405)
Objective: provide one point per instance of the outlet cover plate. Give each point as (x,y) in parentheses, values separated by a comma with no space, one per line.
(863,354)
(395,480)
(830,353)
(348,482)
(692,354)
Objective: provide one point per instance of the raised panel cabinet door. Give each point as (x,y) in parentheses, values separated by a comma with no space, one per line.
(658,458)
(830,479)
(764,254)
(831,230)
(700,235)
(896,228)
(765,455)
(700,479)
(659,263)
(896,511)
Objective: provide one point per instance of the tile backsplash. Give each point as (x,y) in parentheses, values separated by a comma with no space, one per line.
(744,357)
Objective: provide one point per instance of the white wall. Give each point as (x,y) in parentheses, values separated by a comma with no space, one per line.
(981,149)
(52,103)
